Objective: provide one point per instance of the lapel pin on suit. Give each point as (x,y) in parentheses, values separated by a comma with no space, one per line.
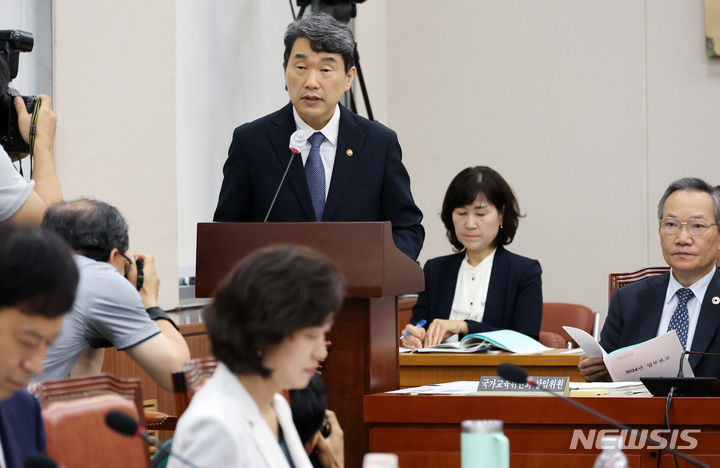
(716,300)
(349,152)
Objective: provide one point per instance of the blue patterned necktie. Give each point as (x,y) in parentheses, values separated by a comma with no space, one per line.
(680,320)
(315,174)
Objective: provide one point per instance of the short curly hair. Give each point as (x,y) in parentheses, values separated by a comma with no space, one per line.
(269,295)
(464,189)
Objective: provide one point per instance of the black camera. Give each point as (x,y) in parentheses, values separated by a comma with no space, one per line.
(140,265)
(341,10)
(12,42)
(326,427)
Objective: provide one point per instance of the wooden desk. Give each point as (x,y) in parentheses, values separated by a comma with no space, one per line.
(424,430)
(422,369)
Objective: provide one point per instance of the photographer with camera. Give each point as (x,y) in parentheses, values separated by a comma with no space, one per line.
(110,309)
(317,426)
(22,201)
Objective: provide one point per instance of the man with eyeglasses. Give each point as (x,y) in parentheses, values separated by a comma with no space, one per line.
(108,309)
(687,299)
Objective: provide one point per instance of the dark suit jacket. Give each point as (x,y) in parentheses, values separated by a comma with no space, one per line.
(21,428)
(370,185)
(514,298)
(634,317)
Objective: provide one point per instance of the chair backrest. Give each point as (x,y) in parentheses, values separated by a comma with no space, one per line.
(81,387)
(74,416)
(552,339)
(616,280)
(188,380)
(557,314)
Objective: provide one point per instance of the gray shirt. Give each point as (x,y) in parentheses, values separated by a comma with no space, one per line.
(14,190)
(107,309)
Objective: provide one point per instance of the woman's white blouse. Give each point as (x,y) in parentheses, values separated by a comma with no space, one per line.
(471,290)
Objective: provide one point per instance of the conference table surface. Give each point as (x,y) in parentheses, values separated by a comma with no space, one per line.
(424,430)
(428,368)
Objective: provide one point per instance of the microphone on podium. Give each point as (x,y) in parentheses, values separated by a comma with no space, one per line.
(125,424)
(517,374)
(298,138)
(40,460)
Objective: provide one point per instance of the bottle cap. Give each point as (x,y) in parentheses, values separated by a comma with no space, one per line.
(380,460)
(481,426)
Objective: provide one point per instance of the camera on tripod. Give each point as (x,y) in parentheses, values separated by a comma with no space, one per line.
(341,10)
(12,42)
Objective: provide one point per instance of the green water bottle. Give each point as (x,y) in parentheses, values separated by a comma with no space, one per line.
(483,444)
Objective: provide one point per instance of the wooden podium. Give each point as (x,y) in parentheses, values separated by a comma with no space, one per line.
(363,358)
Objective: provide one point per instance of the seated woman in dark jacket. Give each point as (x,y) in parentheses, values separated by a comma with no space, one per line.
(482,287)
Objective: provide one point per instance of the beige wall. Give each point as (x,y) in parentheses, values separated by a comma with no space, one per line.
(589,109)
(114,89)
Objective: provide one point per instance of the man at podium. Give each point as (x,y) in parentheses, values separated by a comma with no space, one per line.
(347,168)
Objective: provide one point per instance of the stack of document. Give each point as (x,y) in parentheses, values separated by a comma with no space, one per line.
(658,357)
(607,389)
(506,340)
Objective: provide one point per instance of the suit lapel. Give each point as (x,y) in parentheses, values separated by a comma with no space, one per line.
(497,286)
(267,446)
(650,305)
(279,139)
(450,270)
(350,137)
(708,320)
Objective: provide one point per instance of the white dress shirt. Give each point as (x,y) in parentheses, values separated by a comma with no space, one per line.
(2,457)
(327,148)
(693,305)
(471,291)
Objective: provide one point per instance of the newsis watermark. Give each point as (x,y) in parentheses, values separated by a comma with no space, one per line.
(680,439)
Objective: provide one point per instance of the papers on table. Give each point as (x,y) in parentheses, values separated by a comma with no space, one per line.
(607,388)
(658,357)
(462,387)
(508,340)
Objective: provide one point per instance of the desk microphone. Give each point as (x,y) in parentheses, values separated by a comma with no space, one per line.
(298,138)
(517,374)
(40,460)
(126,425)
(682,358)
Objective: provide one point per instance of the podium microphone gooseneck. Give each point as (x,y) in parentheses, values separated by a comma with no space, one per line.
(517,374)
(298,138)
(126,425)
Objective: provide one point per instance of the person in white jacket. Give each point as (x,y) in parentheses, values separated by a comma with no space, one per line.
(267,326)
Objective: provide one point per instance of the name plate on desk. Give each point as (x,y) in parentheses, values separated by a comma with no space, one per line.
(498,384)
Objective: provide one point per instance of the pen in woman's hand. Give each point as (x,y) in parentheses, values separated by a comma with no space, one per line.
(417,325)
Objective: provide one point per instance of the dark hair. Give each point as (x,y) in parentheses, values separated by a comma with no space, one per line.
(37,272)
(269,295)
(465,188)
(692,184)
(308,408)
(325,33)
(91,227)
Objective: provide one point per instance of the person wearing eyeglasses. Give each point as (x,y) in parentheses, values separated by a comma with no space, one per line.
(687,299)
(109,310)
